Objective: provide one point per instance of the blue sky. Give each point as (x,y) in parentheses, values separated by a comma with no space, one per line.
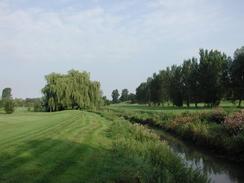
(120,42)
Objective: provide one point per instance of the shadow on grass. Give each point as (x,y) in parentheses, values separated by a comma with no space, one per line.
(50,160)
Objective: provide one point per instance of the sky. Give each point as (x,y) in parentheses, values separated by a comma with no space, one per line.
(120,42)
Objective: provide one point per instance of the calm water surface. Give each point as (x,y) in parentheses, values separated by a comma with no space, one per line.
(217,169)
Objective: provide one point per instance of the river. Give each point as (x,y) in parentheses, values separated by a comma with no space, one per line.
(217,169)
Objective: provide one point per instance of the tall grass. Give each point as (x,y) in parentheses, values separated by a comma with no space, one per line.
(209,129)
(142,147)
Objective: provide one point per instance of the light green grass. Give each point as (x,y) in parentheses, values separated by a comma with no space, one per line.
(226,105)
(51,147)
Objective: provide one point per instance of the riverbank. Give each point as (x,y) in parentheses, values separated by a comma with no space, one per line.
(216,169)
(203,129)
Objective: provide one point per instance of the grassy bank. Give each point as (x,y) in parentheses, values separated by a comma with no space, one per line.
(213,129)
(74,146)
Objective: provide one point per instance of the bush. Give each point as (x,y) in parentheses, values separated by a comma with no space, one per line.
(37,107)
(180,121)
(217,115)
(9,106)
(234,123)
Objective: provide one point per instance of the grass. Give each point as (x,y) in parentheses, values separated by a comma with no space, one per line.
(75,146)
(226,105)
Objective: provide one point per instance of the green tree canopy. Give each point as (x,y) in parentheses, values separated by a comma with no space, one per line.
(7,100)
(74,90)
(211,69)
(237,75)
(115,96)
(6,93)
(124,95)
(208,80)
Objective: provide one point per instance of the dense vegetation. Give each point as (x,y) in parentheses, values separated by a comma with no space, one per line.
(75,146)
(125,96)
(7,101)
(214,77)
(74,90)
(221,131)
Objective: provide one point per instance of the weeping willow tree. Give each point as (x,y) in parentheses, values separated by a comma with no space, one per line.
(73,90)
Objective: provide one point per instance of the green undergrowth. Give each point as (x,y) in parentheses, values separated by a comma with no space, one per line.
(206,129)
(153,158)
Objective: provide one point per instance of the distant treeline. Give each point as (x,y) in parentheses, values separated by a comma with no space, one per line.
(125,96)
(9,103)
(214,77)
(73,90)
(34,104)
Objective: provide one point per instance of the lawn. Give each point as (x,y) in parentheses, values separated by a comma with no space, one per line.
(76,146)
(37,147)
(169,108)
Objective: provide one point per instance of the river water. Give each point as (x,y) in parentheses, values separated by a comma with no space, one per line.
(217,169)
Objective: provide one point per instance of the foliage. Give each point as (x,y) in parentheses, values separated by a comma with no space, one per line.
(9,106)
(6,94)
(237,75)
(106,101)
(132,97)
(124,95)
(7,101)
(115,96)
(74,90)
(37,106)
(211,69)
(158,163)
(217,115)
(214,77)
(235,122)
(216,129)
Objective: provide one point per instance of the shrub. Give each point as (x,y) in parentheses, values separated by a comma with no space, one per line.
(37,107)
(9,106)
(234,123)
(217,115)
(181,120)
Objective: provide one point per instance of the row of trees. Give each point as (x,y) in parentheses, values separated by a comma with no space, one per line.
(125,96)
(34,104)
(214,77)
(73,90)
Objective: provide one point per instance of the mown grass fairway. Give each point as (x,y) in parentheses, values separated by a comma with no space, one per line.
(41,147)
(75,146)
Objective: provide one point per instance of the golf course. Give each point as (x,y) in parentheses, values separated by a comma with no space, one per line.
(121,91)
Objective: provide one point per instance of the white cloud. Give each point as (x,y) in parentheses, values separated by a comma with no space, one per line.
(35,35)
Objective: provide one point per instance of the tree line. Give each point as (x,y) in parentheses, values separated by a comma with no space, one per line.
(8,103)
(73,90)
(210,79)
(125,96)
